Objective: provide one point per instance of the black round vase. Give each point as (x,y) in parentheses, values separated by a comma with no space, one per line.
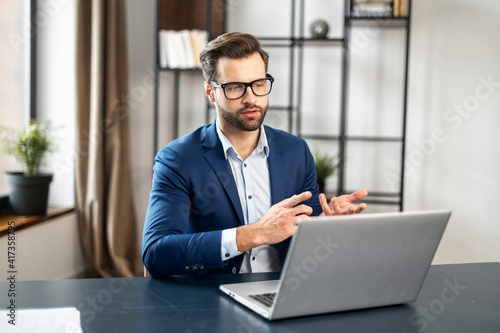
(28,195)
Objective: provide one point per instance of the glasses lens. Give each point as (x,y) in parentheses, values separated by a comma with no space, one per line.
(261,87)
(237,90)
(234,90)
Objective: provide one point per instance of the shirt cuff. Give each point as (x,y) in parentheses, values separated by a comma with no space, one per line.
(228,244)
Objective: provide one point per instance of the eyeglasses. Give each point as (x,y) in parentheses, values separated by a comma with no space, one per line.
(236,90)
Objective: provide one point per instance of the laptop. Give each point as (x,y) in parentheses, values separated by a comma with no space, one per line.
(341,263)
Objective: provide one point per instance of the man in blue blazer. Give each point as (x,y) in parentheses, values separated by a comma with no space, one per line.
(227,197)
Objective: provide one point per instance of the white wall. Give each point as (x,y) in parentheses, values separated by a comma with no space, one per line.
(48,251)
(454,46)
(14,75)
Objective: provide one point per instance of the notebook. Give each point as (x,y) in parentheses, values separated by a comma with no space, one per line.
(341,263)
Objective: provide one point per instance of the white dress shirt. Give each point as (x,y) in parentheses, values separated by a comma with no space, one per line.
(252,181)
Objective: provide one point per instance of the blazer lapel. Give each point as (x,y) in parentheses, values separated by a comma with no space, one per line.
(276,168)
(215,157)
(277,178)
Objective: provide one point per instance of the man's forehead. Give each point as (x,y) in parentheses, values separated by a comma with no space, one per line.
(241,69)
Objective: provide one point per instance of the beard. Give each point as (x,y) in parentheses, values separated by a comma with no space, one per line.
(241,122)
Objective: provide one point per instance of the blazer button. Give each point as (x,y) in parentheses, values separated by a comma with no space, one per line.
(186,268)
(235,270)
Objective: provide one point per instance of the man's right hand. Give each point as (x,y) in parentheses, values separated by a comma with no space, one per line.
(279,223)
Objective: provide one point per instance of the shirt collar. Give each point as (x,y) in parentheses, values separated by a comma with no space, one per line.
(227,145)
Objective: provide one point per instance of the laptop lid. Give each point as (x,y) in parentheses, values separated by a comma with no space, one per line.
(351,262)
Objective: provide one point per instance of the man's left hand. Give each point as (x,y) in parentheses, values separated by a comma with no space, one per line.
(343,205)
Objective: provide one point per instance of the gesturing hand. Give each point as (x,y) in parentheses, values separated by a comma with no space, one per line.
(343,205)
(279,223)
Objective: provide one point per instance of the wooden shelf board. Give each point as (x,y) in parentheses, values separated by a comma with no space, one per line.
(24,221)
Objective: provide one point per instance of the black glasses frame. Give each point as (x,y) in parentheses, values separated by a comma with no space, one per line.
(247,84)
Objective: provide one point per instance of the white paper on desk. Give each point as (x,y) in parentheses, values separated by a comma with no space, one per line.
(56,320)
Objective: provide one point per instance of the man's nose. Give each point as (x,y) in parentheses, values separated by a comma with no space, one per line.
(249,96)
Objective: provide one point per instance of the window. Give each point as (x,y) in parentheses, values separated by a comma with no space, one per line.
(14,71)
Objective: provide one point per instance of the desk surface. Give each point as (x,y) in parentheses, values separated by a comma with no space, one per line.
(454,298)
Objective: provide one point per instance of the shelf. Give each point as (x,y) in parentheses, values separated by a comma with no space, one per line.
(284,39)
(164,69)
(374,138)
(382,22)
(319,41)
(281,108)
(290,42)
(320,137)
(380,198)
(381,202)
(25,221)
(191,14)
(352,138)
(379,194)
(270,108)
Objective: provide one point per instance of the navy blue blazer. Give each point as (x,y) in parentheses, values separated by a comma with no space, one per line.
(194,197)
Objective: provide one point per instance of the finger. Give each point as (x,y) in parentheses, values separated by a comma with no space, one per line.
(302,218)
(355,196)
(361,207)
(301,209)
(335,207)
(355,209)
(324,205)
(296,199)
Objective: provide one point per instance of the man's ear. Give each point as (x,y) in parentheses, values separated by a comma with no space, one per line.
(209,91)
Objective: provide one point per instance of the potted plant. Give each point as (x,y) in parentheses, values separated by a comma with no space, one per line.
(28,189)
(325,166)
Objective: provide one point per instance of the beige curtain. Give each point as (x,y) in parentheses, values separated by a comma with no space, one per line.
(104,194)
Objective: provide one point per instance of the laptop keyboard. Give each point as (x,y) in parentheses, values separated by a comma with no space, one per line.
(266,299)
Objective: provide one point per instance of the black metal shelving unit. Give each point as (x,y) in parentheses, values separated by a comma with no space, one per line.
(385,198)
(375,197)
(296,44)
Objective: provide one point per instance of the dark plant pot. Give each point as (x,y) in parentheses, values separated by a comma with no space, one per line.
(4,203)
(28,195)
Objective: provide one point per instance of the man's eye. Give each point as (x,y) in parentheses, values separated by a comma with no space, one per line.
(233,87)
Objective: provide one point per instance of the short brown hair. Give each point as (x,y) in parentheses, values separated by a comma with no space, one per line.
(234,45)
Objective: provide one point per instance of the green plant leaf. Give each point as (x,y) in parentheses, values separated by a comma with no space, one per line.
(28,146)
(325,165)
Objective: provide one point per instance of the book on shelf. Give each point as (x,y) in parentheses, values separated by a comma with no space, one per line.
(400,8)
(371,8)
(379,8)
(162,38)
(181,49)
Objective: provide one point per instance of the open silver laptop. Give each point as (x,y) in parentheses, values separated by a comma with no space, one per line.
(348,262)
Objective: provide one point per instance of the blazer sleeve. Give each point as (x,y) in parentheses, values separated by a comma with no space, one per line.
(167,249)
(311,183)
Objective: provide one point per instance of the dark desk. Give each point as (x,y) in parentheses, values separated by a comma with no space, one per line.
(454,298)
